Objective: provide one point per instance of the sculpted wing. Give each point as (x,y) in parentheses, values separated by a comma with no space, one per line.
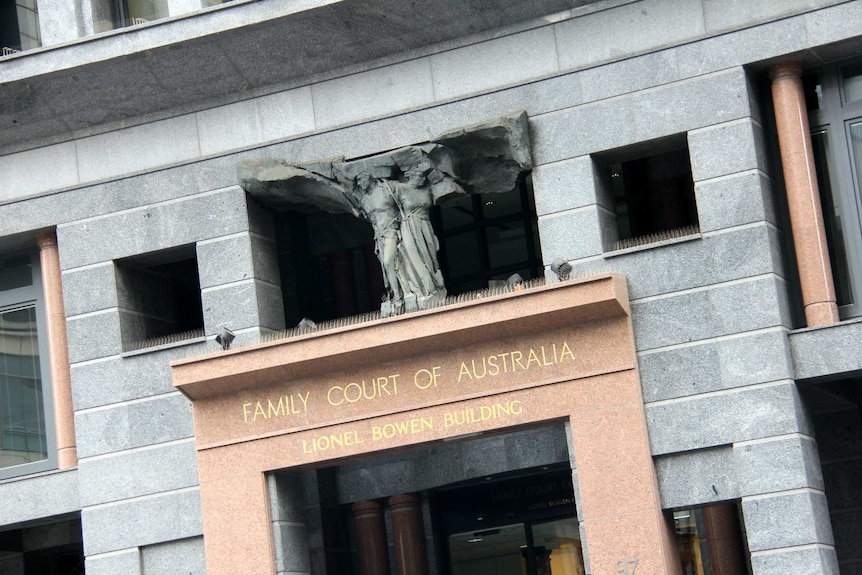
(306,188)
(491,156)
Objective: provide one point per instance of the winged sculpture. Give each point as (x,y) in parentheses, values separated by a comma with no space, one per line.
(395,191)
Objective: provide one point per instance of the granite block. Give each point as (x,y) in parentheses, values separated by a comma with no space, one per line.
(58,22)
(184,556)
(627,31)
(225,260)
(778,464)
(234,306)
(742,47)
(629,75)
(291,548)
(163,418)
(834,24)
(721,15)
(126,561)
(787,520)
(137,148)
(724,309)
(569,185)
(142,472)
(819,560)
(572,234)
(270,306)
(286,497)
(146,521)
(694,263)
(94,336)
(31,498)
(581,130)
(726,149)
(827,350)
(725,417)
(117,379)
(124,426)
(691,104)
(736,200)
(713,365)
(152,228)
(23,174)
(697,477)
(177,7)
(256,121)
(89,289)
(500,62)
(378,92)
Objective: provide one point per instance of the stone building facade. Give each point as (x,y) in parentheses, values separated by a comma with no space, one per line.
(686,401)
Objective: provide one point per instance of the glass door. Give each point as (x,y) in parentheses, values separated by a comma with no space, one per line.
(548,548)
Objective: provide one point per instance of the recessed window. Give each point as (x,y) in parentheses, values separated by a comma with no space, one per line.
(486,238)
(652,191)
(159,297)
(19,26)
(329,268)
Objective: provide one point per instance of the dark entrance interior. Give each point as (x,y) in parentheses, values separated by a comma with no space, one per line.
(524,524)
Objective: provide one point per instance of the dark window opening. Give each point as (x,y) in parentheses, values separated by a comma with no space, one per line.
(835,408)
(329,269)
(486,238)
(159,298)
(53,548)
(652,190)
(832,220)
(19,26)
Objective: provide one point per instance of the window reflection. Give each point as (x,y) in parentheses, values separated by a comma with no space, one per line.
(832,220)
(22,416)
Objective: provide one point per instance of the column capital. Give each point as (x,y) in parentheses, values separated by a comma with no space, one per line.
(46,240)
(403,500)
(370,506)
(792,69)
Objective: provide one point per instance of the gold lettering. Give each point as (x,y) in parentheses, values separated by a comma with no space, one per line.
(566,350)
(492,362)
(329,395)
(518,361)
(304,400)
(258,409)
(245,411)
(505,365)
(464,371)
(544,360)
(275,409)
(533,357)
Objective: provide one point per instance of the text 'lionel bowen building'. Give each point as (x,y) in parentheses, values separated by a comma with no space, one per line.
(439,287)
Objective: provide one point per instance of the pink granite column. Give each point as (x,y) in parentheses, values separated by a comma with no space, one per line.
(409,534)
(724,539)
(64,417)
(371,540)
(803,195)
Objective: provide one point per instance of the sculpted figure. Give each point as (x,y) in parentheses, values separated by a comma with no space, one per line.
(395,190)
(419,245)
(377,201)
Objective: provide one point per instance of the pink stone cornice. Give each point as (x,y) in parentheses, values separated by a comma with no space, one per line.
(459,325)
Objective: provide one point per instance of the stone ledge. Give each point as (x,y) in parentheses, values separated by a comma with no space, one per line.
(487,319)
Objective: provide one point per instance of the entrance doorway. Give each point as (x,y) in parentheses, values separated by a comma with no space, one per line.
(522,525)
